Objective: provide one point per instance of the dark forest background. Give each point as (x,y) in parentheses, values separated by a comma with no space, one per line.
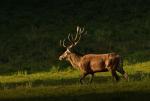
(30,31)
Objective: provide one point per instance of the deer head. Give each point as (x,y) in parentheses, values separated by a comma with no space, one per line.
(73,41)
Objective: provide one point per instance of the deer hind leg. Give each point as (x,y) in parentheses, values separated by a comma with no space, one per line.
(121,71)
(114,75)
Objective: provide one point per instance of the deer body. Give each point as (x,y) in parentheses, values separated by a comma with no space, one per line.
(95,62)
(92,63)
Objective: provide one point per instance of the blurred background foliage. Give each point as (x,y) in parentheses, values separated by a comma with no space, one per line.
(30,31)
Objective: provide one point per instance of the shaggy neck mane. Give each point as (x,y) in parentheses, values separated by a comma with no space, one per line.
(74,59)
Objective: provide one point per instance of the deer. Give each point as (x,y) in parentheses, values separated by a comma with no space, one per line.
(91,63)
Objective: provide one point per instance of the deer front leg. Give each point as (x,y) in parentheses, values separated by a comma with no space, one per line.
(92,76)
(82,77)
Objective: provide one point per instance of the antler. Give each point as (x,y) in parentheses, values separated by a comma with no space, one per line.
(62,43)
(73,40)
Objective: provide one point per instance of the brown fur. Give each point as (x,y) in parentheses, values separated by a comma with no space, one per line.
(92,63)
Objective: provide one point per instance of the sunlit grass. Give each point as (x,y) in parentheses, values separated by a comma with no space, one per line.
(63,84)
(21,77)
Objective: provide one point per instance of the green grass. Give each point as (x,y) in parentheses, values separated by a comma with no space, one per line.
(64,85)
(29,48)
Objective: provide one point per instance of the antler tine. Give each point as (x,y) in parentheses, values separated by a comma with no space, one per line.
(78,31)
(71,40)
(69,37)
(64,43)
(72,37)
(82,30)
(76,41)
(76,36)
(78,28)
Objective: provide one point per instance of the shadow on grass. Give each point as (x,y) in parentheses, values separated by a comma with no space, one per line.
(114,96)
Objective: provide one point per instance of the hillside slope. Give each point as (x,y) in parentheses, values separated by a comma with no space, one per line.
(30,30)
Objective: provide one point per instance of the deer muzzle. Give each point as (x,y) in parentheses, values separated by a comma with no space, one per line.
(60,58)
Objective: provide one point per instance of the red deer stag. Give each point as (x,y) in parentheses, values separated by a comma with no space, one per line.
(91,63)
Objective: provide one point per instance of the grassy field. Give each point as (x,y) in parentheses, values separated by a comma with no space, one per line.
(64,85)
(30,31)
